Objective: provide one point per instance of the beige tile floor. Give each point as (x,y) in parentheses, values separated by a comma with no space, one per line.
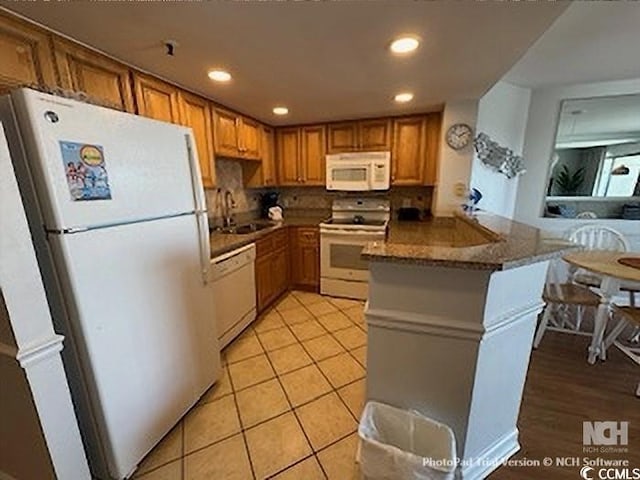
(287,405)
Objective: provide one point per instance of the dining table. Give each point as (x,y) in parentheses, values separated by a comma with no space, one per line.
(618,271)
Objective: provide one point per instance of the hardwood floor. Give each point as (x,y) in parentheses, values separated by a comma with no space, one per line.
(561,392)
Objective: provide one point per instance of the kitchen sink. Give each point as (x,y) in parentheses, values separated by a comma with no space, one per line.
(246,229)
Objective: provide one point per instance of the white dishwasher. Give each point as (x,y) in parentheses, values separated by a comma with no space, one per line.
(234,291)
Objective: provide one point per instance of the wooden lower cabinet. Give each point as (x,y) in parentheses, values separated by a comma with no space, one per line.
(280,265)
(264,286)
(305,257)
(272,268)
(287,258)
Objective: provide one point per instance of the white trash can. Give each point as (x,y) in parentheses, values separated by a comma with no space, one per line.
(397,444)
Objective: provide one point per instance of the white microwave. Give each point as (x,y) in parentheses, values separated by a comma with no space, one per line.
(359,172)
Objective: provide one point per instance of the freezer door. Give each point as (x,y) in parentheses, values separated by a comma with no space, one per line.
(143,322)
(96,166)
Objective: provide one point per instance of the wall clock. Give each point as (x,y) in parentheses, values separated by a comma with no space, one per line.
(459,136)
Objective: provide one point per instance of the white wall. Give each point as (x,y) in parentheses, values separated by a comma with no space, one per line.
(455,165)
(544,109)
(46,442)
(502,114)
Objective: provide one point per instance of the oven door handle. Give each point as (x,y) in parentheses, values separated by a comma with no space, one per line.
(359,233)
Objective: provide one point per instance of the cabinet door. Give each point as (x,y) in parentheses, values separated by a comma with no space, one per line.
(432,148)
(156,99)
(249,139)
(280,272)
(407,162)
(83,70)
(312,155)
(287,156)
(374,135)
(262,173)
(25,57)
(196,113)
(264,284)
(342,137)
(225,133)
(309,261)
(305,257)
(268,157)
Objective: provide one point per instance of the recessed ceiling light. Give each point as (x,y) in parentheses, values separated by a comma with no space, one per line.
(219,75)
(403,97)
(280,110)
(404,45)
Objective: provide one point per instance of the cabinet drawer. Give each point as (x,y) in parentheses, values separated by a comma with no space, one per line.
(308,235)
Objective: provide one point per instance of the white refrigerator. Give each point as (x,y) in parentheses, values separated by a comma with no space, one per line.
(117,213)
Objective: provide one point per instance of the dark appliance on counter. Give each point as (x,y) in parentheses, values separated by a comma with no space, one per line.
(268,200)
(411,214)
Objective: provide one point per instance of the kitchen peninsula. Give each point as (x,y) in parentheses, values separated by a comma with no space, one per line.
(451,314)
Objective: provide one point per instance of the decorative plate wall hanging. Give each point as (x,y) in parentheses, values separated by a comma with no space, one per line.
(500,159)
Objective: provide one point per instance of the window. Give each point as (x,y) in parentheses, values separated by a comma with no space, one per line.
(618,177)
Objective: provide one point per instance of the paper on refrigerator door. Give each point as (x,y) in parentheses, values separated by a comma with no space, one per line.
(86,171)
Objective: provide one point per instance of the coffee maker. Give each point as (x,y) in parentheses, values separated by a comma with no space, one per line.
(268,200)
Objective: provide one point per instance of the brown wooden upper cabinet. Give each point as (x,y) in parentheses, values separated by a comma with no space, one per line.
(364,135)
(25,57)
(312,155)
(415,150)
(156,99)
(262,174)
(342,137)
(287,155)
(300,155)
(236,136)
(432,148)
(268,156)
(249,138)
(225,134)
(82,70)
(195,112)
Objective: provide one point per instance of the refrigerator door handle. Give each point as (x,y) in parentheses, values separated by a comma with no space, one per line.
(200,211)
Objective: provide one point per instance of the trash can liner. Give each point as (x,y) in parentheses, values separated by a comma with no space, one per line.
(404,445)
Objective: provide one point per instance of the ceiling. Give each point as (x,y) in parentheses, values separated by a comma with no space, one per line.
(590,42)
(323,60)
(599,121)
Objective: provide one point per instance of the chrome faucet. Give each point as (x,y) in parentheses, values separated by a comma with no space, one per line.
(229,205)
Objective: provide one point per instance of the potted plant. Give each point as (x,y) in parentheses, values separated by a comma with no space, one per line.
(567,182)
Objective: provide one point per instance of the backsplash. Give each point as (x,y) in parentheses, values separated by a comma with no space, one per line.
(319,198)
(229,177)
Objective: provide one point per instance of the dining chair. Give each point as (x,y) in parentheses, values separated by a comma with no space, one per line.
(559,296)
(599,237)
(631,318)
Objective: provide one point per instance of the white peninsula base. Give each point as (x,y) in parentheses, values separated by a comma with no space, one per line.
(454,344)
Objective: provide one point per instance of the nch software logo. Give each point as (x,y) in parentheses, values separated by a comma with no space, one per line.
(605,433)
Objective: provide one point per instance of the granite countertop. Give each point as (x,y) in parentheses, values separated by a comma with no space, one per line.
(225,242)
(480,242)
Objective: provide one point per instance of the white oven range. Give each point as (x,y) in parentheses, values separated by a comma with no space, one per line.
(355,222)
